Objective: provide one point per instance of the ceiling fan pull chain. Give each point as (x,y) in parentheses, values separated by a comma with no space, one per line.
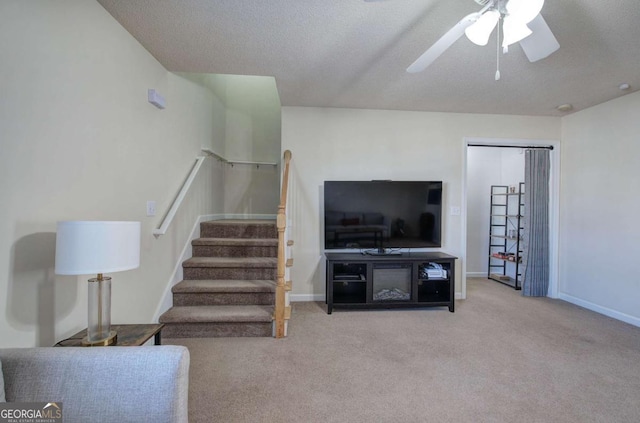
(498,52)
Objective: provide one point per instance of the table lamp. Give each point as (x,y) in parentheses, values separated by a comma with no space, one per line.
(97,247)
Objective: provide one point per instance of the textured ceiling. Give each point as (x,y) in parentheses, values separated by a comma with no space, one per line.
(352,53)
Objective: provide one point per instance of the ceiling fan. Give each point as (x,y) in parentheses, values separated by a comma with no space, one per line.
(521,22)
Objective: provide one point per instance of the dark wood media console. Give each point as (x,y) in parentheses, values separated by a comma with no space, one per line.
(390,281)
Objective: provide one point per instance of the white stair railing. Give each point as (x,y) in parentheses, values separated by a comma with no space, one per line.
(166,222)
(179,198)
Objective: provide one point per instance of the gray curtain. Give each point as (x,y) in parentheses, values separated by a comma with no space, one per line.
(535,255)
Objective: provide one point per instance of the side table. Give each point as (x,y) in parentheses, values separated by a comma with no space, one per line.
(128,335)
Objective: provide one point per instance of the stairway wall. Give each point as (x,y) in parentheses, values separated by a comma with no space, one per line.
(80,141)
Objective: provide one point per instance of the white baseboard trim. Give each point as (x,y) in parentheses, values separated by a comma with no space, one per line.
(208,217)
(459,296)
(632,320)
(476,274)
(306,297)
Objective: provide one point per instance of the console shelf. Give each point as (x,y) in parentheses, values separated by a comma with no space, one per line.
(394,281)
(505,235)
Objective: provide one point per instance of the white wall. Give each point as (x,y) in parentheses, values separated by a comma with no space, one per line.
(251,125)
(377,144)
(80,141)
(599,229)
(253,133)
(486,166)
(252,191)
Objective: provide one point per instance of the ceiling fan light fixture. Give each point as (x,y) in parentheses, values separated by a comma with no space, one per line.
(535,36)
(524,10)
(514,30)
(479,32)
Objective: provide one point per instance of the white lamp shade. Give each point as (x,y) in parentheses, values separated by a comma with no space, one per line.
(514,30)
(524,10)
(479,32)
(92,247)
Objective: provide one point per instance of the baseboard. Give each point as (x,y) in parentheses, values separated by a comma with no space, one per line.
(458,296)
(207,217)
(632,320)
(306,297)
(476,274)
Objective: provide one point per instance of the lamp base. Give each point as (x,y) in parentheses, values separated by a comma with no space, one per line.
(109,340)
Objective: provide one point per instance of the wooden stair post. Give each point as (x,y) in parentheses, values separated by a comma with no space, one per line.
(282,312)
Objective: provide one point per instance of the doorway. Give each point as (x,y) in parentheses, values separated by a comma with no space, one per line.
(500,160)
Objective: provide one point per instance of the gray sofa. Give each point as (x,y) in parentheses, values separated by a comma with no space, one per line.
(355,226)
(101,384)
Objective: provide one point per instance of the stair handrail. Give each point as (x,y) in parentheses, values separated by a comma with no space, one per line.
(282,310)
(236,162)
(168,218)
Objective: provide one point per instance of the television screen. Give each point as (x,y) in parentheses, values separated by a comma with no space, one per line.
(382,214)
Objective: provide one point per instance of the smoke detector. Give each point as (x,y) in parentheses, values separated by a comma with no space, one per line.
(565,107)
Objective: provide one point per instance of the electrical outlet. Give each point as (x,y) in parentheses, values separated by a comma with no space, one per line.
(151,208)
(455,211)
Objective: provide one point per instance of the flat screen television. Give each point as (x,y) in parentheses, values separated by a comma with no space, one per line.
(382,216)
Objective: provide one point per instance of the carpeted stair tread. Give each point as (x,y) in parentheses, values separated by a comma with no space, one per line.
(220,314)
(239,228)
(231,222)
(254,242)
(224,285)
(226,262)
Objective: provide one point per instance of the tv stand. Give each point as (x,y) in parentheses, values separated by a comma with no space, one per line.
(408,280)
(382,252)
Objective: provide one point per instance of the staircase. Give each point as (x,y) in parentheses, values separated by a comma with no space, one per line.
(229,283)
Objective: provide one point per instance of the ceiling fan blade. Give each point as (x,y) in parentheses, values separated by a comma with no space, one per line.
(443,43)
(541,43)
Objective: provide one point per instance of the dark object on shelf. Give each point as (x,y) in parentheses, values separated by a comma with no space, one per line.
(409,280)
(349,277)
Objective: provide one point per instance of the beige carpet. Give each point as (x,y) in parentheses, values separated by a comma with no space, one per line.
(499,358)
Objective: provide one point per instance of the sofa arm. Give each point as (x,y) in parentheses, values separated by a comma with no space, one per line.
(102,384)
